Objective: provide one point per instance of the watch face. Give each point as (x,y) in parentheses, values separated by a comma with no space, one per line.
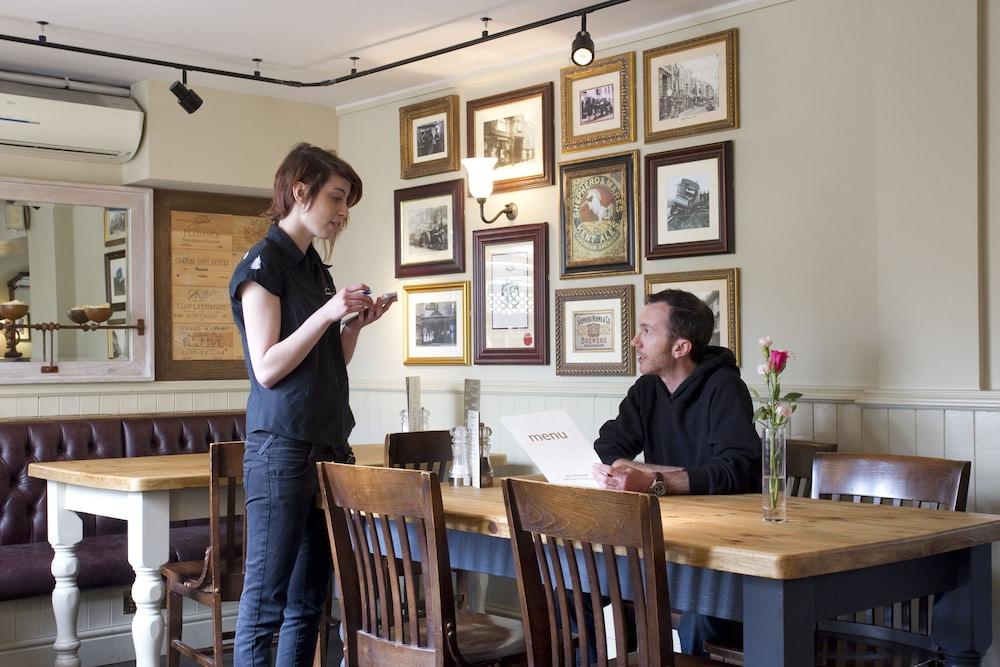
(659,488)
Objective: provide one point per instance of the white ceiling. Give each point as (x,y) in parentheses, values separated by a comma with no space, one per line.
(309,40)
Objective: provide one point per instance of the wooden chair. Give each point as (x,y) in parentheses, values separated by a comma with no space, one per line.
(799,463)
(218,577)
(419,450)
(375,569)
(554,528)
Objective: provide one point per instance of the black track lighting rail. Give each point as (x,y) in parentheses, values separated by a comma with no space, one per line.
(43,42)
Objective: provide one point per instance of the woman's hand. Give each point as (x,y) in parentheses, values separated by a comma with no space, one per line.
(351,299)
(369,315)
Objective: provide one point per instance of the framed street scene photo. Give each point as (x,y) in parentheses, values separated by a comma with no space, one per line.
(116,279)
(593,328)
(516,129)
(598,103)
(599,211)
(437,324)
(115,226)
(720,289)
(691,87)
(689,201)
(428,137)
(511,279)
(430,229)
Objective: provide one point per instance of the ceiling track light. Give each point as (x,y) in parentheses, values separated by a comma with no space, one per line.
(43,41)
(582,51)
(189,100)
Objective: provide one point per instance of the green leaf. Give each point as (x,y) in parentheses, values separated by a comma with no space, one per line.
(792,396)
(756,394)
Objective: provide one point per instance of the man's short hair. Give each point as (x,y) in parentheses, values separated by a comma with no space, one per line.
(690,318)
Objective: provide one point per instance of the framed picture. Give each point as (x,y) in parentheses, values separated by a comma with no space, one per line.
(689,201)
(598,103)
(116,279)
(516,129)
(594,326)
(599,212)
(430,229)
(428,137)
(511,278)
(691,87)
(437,324)
(115,226)
(720,289)
(117,341)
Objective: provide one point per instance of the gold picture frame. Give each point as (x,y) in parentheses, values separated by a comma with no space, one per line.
(436,329)
(115,226)
(598,103)
(719,288)
(696,87)
(428,137)
(594,327)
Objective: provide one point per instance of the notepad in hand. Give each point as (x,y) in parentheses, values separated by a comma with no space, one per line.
(555,446)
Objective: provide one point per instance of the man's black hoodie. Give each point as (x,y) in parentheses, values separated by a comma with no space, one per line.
(705,426)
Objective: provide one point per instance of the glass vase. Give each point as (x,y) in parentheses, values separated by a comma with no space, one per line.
(774,498)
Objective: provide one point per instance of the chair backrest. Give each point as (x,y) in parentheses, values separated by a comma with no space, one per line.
(419,450)
(889,479)
(799,463)
(380,590)
(554,528)
(915,481)
(227,520)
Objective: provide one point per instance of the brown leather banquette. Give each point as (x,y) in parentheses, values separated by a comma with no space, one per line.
(25,554)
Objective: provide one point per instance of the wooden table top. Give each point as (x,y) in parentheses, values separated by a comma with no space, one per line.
(718,532)
(161,473)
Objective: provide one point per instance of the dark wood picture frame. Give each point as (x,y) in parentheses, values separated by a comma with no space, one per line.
(410,165)
(109,257)
(569,361)
(542,95)
(582,179)
(535,347)
(687,205)
(455,263)
(165,202)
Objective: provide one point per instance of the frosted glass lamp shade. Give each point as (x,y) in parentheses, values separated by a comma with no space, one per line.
(480,170)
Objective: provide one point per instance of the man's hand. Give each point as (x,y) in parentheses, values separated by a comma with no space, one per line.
(622,477)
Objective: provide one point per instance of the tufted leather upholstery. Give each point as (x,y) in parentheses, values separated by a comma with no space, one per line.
(24,570)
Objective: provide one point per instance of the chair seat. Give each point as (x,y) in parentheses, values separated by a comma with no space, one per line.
(484,637)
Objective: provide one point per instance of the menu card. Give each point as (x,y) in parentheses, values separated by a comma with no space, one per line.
(555,446)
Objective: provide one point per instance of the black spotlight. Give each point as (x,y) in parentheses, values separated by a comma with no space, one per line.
(583,45)
(189,100)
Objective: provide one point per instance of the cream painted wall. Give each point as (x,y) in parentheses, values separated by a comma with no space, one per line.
(233,143)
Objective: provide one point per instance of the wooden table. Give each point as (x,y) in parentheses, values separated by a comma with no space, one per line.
(830,558)
(148,492)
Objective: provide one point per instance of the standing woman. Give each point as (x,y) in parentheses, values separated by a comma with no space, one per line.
(289,316)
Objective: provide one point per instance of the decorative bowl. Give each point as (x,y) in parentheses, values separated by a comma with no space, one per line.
(13,311)
(98,313)
(77,315)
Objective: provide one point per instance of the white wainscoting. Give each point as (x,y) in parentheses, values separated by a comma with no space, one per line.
(953,424)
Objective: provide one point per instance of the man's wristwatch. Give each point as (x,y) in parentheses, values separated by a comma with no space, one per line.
(659,487)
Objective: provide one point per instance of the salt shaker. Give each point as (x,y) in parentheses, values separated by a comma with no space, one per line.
(460,472)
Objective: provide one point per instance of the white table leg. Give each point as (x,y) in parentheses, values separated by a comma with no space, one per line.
(65,531)
(148,541)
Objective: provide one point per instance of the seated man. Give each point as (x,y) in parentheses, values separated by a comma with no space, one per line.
(691,416)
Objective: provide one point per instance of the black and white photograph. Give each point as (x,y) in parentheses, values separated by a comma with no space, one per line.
(117,341)
(690,87)
(437,323)
(115,226)
(712,299)
(430,223)
(430,138)
(510,140)
(515,127)
(688,205)
(597,104)
(116,279)
(719,289)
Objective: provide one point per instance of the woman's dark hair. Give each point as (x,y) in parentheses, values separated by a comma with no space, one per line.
(690,318)
(313,167)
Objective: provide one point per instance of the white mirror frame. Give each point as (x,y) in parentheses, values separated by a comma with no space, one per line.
(139,202)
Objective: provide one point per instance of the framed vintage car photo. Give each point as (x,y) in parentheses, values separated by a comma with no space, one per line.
(598,103)
(428,137)
(594,326)
(430,229)
(436,324)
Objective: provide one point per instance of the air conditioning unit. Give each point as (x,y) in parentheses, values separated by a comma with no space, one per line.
(68,124)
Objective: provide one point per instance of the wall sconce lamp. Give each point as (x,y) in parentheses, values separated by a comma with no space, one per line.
(189,100)
(480,170)
(582,51)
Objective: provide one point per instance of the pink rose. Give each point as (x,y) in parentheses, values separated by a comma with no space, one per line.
(766,341)
(784,410)
(762,369)
(778,360)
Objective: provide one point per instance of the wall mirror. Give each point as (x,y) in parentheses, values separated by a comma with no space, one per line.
(64,245)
